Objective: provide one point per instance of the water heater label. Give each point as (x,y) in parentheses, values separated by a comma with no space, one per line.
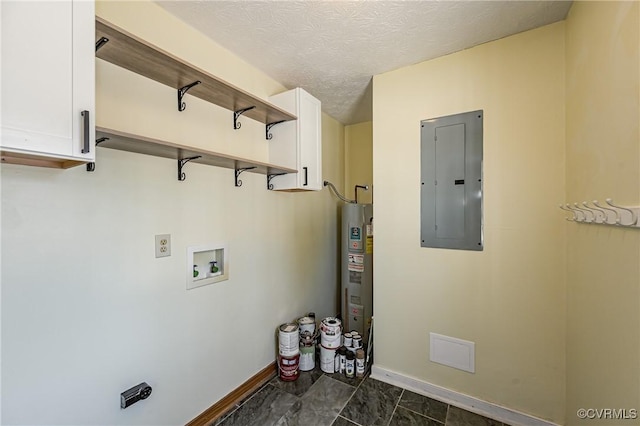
(356,262)
(355,238)
(355,234)
(355,277)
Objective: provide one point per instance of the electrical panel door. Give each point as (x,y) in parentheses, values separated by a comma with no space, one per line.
(451,181)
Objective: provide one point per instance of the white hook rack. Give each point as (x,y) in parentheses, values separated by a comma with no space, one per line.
(611,214)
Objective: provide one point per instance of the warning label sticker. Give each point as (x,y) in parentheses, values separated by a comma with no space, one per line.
(355,277)
(356,262)
(369,244)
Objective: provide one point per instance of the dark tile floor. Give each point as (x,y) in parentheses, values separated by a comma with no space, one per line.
(321,399)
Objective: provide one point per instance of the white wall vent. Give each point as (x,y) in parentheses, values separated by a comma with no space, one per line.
(452,352)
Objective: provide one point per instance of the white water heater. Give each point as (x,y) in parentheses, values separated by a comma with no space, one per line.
(357,268)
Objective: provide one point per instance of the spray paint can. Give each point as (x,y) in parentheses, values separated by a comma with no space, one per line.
(336,363)
(342,354)
(360,363)
(350,366)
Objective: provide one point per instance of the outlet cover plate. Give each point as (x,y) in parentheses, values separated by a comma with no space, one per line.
(163,245)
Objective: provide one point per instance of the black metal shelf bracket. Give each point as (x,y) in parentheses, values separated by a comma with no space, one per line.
(271,176)
(237,114)
(101,42)
(183,91)
(239,171)
(91,167)
(269,126)
(181,163)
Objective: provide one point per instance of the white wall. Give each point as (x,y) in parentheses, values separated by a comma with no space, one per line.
(603,160)
(88,311)
(510,298)
(358,158)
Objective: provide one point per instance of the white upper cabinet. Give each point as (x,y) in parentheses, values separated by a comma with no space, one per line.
(48,82)
(298,144)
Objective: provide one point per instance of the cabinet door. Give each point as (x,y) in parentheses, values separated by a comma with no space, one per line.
(48,78)
(298,144)
(310,134)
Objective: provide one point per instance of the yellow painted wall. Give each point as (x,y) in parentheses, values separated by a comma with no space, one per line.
(88,311)
(510,298)
(603,160)
(358,153)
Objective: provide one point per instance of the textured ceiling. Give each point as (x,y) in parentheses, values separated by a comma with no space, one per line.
(333,48)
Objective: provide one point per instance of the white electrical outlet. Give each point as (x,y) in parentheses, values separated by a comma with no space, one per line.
(163,245)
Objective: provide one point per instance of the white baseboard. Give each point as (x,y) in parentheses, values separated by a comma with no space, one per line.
(458,399)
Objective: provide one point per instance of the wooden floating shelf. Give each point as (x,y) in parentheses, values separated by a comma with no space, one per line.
(143,145)
(130,52)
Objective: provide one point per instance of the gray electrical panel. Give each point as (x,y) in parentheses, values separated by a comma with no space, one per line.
(451,181)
